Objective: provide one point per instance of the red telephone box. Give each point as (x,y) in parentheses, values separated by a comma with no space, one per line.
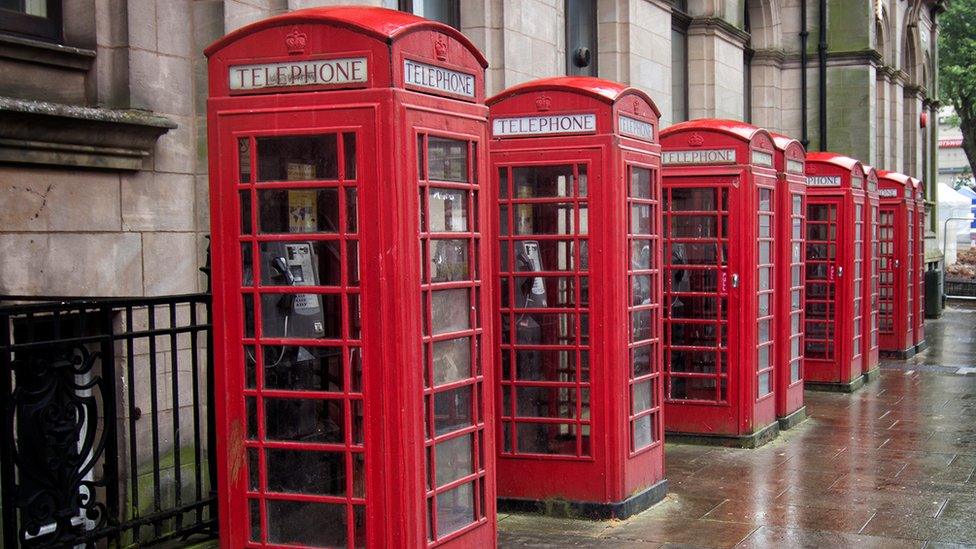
(835,343)
(719,195)
(351,334)
(918,294)
(872,266)
(896,307)
(789,266)
(576,169)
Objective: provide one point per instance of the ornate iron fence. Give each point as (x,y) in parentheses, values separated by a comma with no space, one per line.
(106,419)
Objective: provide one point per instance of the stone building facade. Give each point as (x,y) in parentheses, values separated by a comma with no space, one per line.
(103,172)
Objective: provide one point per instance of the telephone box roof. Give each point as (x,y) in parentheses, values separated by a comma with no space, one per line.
(894,177)
(783,142)
(735,128)
(836,159)
(380,23)
(599,88)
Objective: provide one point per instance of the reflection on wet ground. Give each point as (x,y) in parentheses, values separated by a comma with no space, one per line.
(889,466)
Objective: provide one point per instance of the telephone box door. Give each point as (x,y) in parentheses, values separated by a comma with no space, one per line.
(699,302)
(296,257)
(823,290)
(547,341)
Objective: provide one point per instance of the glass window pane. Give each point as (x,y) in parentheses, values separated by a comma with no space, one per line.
(452,360)
(643,431)
(640,255)
(349,154)
(692,200)
(306,523)
(543,181)
(454,459)
(542,255)
(640,183)
(447,159)
(546,438)
(452,410)
(455,509)
(306,316)
(448,260)
(305,472)
(245,212)
(640,360)
(298,158)
(640,325)
(545,365)
(243,155)
(303,368)
(683,388)
(304,420)
(545,329)
(448,209)
(553,402)
(642,397)
(693,226)
(640,219)
(352,211)
(765,385)
(547,218)
(450,310)
(300,263)
(298,211)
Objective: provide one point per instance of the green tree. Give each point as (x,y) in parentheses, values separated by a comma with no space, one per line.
(957,68)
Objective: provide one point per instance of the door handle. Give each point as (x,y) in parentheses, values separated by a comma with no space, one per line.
(735,280)
(840,272)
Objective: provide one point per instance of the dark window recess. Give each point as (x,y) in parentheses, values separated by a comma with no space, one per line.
(39,19)
(445,11)
(581,37)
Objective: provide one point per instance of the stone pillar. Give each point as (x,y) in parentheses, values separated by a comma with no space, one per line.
(912,145)
(882,157)
(522,39)
(767,89)
(897,107)
(715,69)
(238,13)
(634,47)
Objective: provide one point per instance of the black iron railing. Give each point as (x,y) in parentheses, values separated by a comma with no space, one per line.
(106,421)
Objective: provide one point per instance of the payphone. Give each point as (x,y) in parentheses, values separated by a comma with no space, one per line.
(577,398)
(329,131)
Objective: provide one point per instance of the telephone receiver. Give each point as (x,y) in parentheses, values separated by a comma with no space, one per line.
(529,259)
(280,268)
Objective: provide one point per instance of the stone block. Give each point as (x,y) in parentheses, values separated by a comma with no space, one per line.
(157,202)
(41,200)
(201,189)
(161,83)
(174,33)
(110,29)
(170,263)
(175,150)
(142,24)
(71,264)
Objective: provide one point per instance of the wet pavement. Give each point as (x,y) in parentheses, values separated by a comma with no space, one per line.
(891,465)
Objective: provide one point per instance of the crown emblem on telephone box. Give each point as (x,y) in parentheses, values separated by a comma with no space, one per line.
(696,140)
(543,102)
(295,41)
(440,48)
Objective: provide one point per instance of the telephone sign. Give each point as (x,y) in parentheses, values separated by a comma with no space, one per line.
(329,130)
(834,336)
(577,400)
(720,192)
